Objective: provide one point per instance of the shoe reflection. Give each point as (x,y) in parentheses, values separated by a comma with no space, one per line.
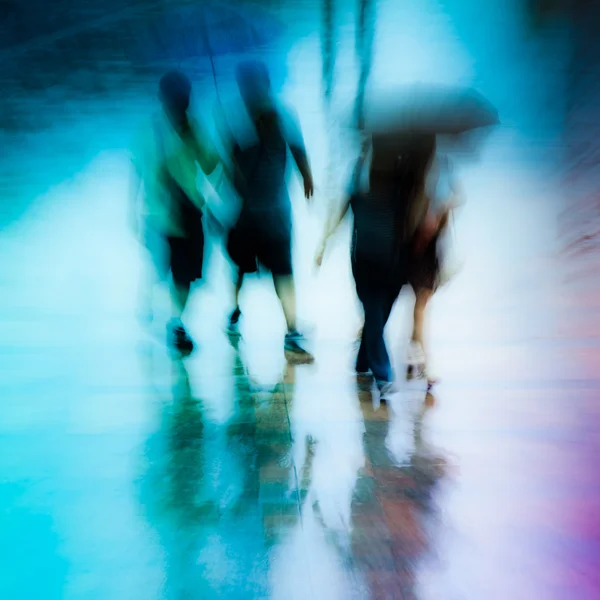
(233,502)
(394,513)
(221,495)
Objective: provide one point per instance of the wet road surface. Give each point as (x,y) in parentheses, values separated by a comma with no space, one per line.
(127,474)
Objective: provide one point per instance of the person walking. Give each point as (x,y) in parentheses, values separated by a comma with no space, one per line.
(166,205)
(387,213)
(263,232)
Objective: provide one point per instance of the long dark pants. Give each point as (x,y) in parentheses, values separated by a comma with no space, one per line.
(377,297)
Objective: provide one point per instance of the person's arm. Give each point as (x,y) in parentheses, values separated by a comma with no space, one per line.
(301,159)
(295,142)
(330,228)
(334,220)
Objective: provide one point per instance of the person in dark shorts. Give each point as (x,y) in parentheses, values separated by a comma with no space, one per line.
(169,216)
(262,235)
(386,215)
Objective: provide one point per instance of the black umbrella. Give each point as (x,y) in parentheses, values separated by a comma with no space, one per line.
(205,29)
(427,109)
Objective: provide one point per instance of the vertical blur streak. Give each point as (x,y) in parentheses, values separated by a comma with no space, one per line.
(364,50)
(209,51)
(582,214)
(328,50)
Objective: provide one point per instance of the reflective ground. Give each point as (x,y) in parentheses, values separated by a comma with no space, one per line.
(125,474)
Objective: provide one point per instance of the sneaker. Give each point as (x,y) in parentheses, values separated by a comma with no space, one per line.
(416,356)
(415,361)
(432,380)
(294,350)
(179,339)
(386,390)
(233,327)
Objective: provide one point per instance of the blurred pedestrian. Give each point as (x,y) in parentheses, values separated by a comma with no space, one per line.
(168,214)
(263,232)
(387,212)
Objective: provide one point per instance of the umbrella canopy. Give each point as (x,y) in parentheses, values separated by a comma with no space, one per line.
(426,109)
(204,29)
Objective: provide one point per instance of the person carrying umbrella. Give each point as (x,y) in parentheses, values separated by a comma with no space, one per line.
(452,114)
(168,215)
(386,212)
(396,224)
(263,232)
(427,267)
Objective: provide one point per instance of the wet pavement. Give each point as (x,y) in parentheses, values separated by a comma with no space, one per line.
(125,474)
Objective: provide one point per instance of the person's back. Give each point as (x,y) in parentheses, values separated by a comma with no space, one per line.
(389,206)
(277,130)
(375,243)
(386,208)
(263,232)
(263,167)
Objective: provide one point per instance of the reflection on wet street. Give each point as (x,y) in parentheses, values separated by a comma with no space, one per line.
(127,473)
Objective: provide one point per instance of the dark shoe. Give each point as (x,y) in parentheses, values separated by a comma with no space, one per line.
(233,328)
(294,351)
(180,340)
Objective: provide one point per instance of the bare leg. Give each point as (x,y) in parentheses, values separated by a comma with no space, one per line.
(180,294)
(177,333)
(422,299)
(286,292)
(238,288)
(234,317)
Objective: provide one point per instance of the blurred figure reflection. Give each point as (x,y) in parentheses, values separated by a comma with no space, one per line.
(222,495)
(395,501)
(173,490)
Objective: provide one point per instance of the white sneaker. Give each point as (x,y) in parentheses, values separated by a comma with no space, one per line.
(386,390)
(415,355)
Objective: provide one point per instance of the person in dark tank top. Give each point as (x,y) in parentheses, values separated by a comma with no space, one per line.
(263,232)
